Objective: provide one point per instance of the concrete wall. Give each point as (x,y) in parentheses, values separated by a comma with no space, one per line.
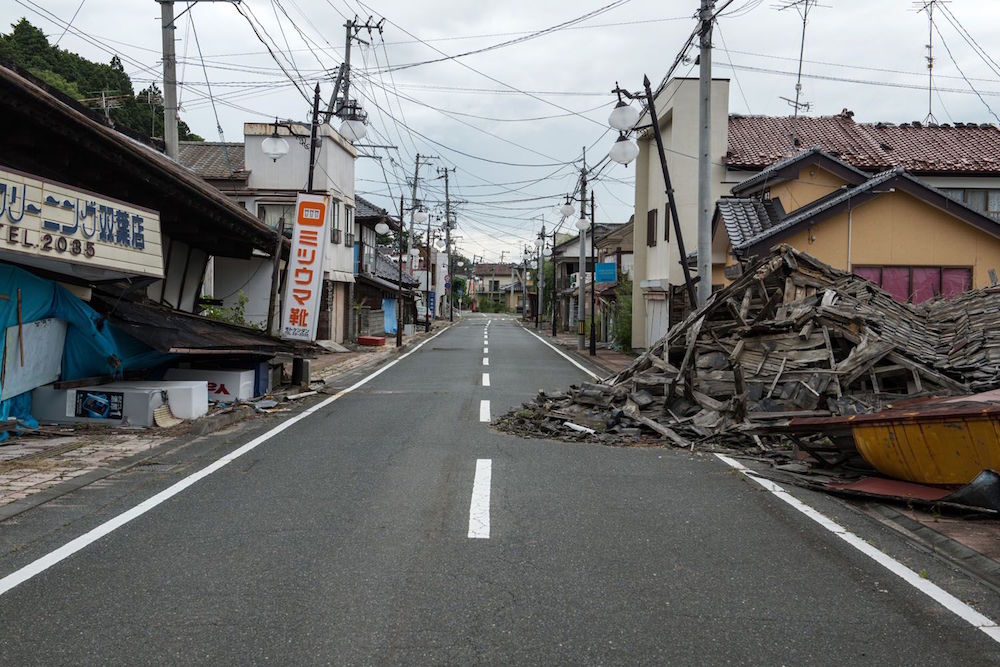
(250,276)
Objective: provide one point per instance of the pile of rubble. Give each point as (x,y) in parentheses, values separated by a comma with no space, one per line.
(791,337)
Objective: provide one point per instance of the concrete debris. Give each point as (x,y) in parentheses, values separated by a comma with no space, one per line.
(792,337)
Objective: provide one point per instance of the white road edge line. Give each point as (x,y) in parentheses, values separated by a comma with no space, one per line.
(484,410)
(45,562)
(479,508)
(564,355)
(486,361)
(486,379)
(928,588)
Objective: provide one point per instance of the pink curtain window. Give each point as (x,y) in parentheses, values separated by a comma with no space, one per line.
(896,281)
(926,283)
(955,281)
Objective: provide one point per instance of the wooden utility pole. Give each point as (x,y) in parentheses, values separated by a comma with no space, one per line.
(704,155)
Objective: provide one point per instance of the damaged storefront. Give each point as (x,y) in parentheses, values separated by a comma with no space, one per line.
(104,244)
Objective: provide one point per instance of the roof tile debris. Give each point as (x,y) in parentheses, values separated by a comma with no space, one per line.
(757,142)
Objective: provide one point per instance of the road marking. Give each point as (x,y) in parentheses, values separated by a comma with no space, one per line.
(565,356)
(484,410)
(45,562)
(486,350)
(486,361)
(932,590)
(479,508)
(486,379)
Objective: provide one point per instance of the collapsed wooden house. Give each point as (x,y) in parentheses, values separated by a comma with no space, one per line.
(791,337)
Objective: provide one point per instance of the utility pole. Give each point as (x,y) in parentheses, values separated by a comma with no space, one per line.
(169,78)
(704,155)
(399,287)
(167,28)
(524,285)
(447,236)
(429,271)
(554,280)
(593,278)
(340,101)
(314,127)
(581,309)
(541,276)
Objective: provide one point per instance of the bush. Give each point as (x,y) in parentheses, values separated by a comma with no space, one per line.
(231,315)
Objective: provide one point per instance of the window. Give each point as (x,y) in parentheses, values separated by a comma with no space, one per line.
(494,285)
(651,227)
(348,225)
(335,222)
(918,283)
(271,214)
(666,222)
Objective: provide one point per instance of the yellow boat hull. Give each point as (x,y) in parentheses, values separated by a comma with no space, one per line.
(939,450)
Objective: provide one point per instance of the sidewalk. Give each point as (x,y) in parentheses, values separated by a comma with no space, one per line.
(610,360)
(32,464)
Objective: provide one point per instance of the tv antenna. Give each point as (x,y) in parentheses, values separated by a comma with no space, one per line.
(802,7)
(928,6)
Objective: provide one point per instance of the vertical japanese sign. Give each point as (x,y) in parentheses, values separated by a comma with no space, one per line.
(304,272)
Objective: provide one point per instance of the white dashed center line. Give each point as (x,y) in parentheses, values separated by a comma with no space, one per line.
(486,379)
(486,361)
(484,410)
(479,508)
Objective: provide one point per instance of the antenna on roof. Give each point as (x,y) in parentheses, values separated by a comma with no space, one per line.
(928,6)
(802,7)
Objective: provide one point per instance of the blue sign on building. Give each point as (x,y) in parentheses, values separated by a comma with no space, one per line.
(431,303)
(606,272)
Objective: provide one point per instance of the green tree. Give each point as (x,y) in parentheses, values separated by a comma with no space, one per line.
(27,47)
(622,330)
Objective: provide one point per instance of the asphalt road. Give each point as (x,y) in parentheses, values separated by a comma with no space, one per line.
(345,539)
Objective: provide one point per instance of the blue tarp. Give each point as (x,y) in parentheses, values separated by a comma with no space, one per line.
(389,308)
(93,347)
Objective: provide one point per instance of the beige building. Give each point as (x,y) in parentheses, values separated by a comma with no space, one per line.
(891,228)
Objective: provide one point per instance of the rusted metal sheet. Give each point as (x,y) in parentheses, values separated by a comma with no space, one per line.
(933,441)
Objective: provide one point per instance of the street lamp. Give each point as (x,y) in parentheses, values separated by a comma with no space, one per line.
(420,216)
(623,117)
(353,129)
(381,229)
(624,150)
(274,146)
(566,209)
(582,224)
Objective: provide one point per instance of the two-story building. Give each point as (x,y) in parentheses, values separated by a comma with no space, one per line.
(267,188)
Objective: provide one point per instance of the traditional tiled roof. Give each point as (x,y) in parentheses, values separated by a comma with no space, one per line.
(745,219)
(757,142)
(208,158)
(365,209)
(486,270)
(388,269)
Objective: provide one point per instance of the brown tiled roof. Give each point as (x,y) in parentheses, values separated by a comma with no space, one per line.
(484,270)
(208,158)
(756,142)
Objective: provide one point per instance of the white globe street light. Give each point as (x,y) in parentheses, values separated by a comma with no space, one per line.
(353,130)
(582,224)
(274,146)
(539,243)
(440,244)
(623,117)
(415,252)
(624,150)
(566,210)
(419,217)
(381,228)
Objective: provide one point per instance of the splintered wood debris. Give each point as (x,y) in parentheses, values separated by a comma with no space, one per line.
(792,337)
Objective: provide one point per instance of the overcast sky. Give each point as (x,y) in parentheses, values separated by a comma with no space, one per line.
(870,54)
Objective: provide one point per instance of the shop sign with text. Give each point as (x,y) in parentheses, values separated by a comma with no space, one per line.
(304,271)
(51,221)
